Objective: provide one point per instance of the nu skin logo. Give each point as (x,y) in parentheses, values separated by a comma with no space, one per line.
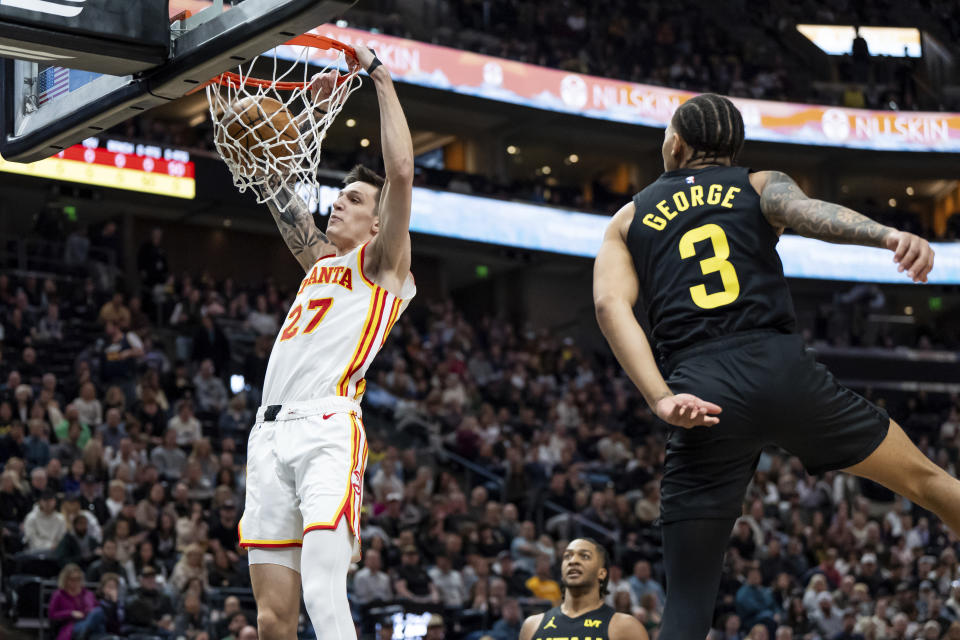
(63,8)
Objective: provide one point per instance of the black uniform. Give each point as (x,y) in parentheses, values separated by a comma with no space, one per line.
(721,316)
(593,625)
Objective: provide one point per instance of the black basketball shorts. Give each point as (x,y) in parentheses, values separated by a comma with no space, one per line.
(772,392)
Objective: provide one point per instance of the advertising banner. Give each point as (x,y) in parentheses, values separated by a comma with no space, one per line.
(542,228)
(518,83)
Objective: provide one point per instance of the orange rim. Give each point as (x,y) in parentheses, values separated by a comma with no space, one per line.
(234,80)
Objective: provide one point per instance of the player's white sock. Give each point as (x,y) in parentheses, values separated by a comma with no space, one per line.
(323,569)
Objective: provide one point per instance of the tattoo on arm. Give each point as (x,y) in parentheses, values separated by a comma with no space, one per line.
(785,205)
(296,225)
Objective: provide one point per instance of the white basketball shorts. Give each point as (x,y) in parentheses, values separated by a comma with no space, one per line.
(304,472)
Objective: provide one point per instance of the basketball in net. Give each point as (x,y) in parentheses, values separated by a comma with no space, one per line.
(270,130)
(261,127)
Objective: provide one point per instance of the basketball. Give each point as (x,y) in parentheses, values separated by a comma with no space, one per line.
(263,127)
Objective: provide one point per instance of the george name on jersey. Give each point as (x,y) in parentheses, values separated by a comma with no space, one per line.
(342,276)
(697,195)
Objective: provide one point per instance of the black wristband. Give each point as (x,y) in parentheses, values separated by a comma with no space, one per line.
(373,65)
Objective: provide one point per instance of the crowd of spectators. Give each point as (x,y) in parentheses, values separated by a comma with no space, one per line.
(492,444)
(731,49)
(674,44)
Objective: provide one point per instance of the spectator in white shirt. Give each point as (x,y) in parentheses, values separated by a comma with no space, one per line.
(125,454)
(211,392)
(524,547)
(387,480)
(449,582)
(371,583)
(616,584)
(168,458)
(89,409)
(44,526)
(261,320)
(116,497)
(185,424)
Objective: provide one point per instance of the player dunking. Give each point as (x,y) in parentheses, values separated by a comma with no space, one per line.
(307,450)
(582,614)
(698,247)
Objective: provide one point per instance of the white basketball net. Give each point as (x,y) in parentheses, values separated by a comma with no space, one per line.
(261,157)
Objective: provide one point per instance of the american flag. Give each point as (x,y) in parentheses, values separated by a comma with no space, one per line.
(53,81)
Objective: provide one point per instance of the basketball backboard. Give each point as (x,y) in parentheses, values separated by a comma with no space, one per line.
(45,108)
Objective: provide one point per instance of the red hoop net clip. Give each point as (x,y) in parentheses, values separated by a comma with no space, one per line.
(235,80)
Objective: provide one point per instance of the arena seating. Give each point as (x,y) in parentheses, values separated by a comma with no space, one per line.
(491,444)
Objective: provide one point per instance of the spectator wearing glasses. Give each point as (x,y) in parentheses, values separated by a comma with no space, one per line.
(412,582)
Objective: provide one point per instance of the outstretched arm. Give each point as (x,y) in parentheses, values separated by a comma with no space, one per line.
(615,291)
(784,204)
(293,218)
(389,253)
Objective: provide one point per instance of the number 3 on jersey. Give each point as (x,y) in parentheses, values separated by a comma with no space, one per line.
(322,305)
(714,264)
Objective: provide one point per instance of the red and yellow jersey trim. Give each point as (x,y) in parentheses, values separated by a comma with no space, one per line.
(363,274)
(394,313)
(367,337)
(352,496)
(269,544)
(356,502)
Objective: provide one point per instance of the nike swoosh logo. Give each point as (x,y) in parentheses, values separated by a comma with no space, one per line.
(327,416)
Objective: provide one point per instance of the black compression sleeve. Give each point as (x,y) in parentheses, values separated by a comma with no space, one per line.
(693,561)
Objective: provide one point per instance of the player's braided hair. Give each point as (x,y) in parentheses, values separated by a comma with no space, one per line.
(711,125)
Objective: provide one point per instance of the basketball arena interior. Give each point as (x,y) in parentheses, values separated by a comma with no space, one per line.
(141,294)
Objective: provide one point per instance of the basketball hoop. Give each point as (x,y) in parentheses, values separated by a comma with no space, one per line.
(269,132)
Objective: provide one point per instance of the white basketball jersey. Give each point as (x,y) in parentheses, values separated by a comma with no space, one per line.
(337,324)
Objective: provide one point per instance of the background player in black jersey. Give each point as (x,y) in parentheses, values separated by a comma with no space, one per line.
(697,249)
(582,614)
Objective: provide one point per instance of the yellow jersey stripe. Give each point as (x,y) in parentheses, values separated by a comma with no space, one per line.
(354,445)
(394,312)
(344,384)
(364,353)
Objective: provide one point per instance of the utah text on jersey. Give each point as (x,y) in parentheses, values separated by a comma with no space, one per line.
(588,623)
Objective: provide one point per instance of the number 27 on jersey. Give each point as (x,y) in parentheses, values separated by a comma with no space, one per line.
(320,307)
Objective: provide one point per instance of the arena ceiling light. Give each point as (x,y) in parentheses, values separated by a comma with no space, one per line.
(837,40)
